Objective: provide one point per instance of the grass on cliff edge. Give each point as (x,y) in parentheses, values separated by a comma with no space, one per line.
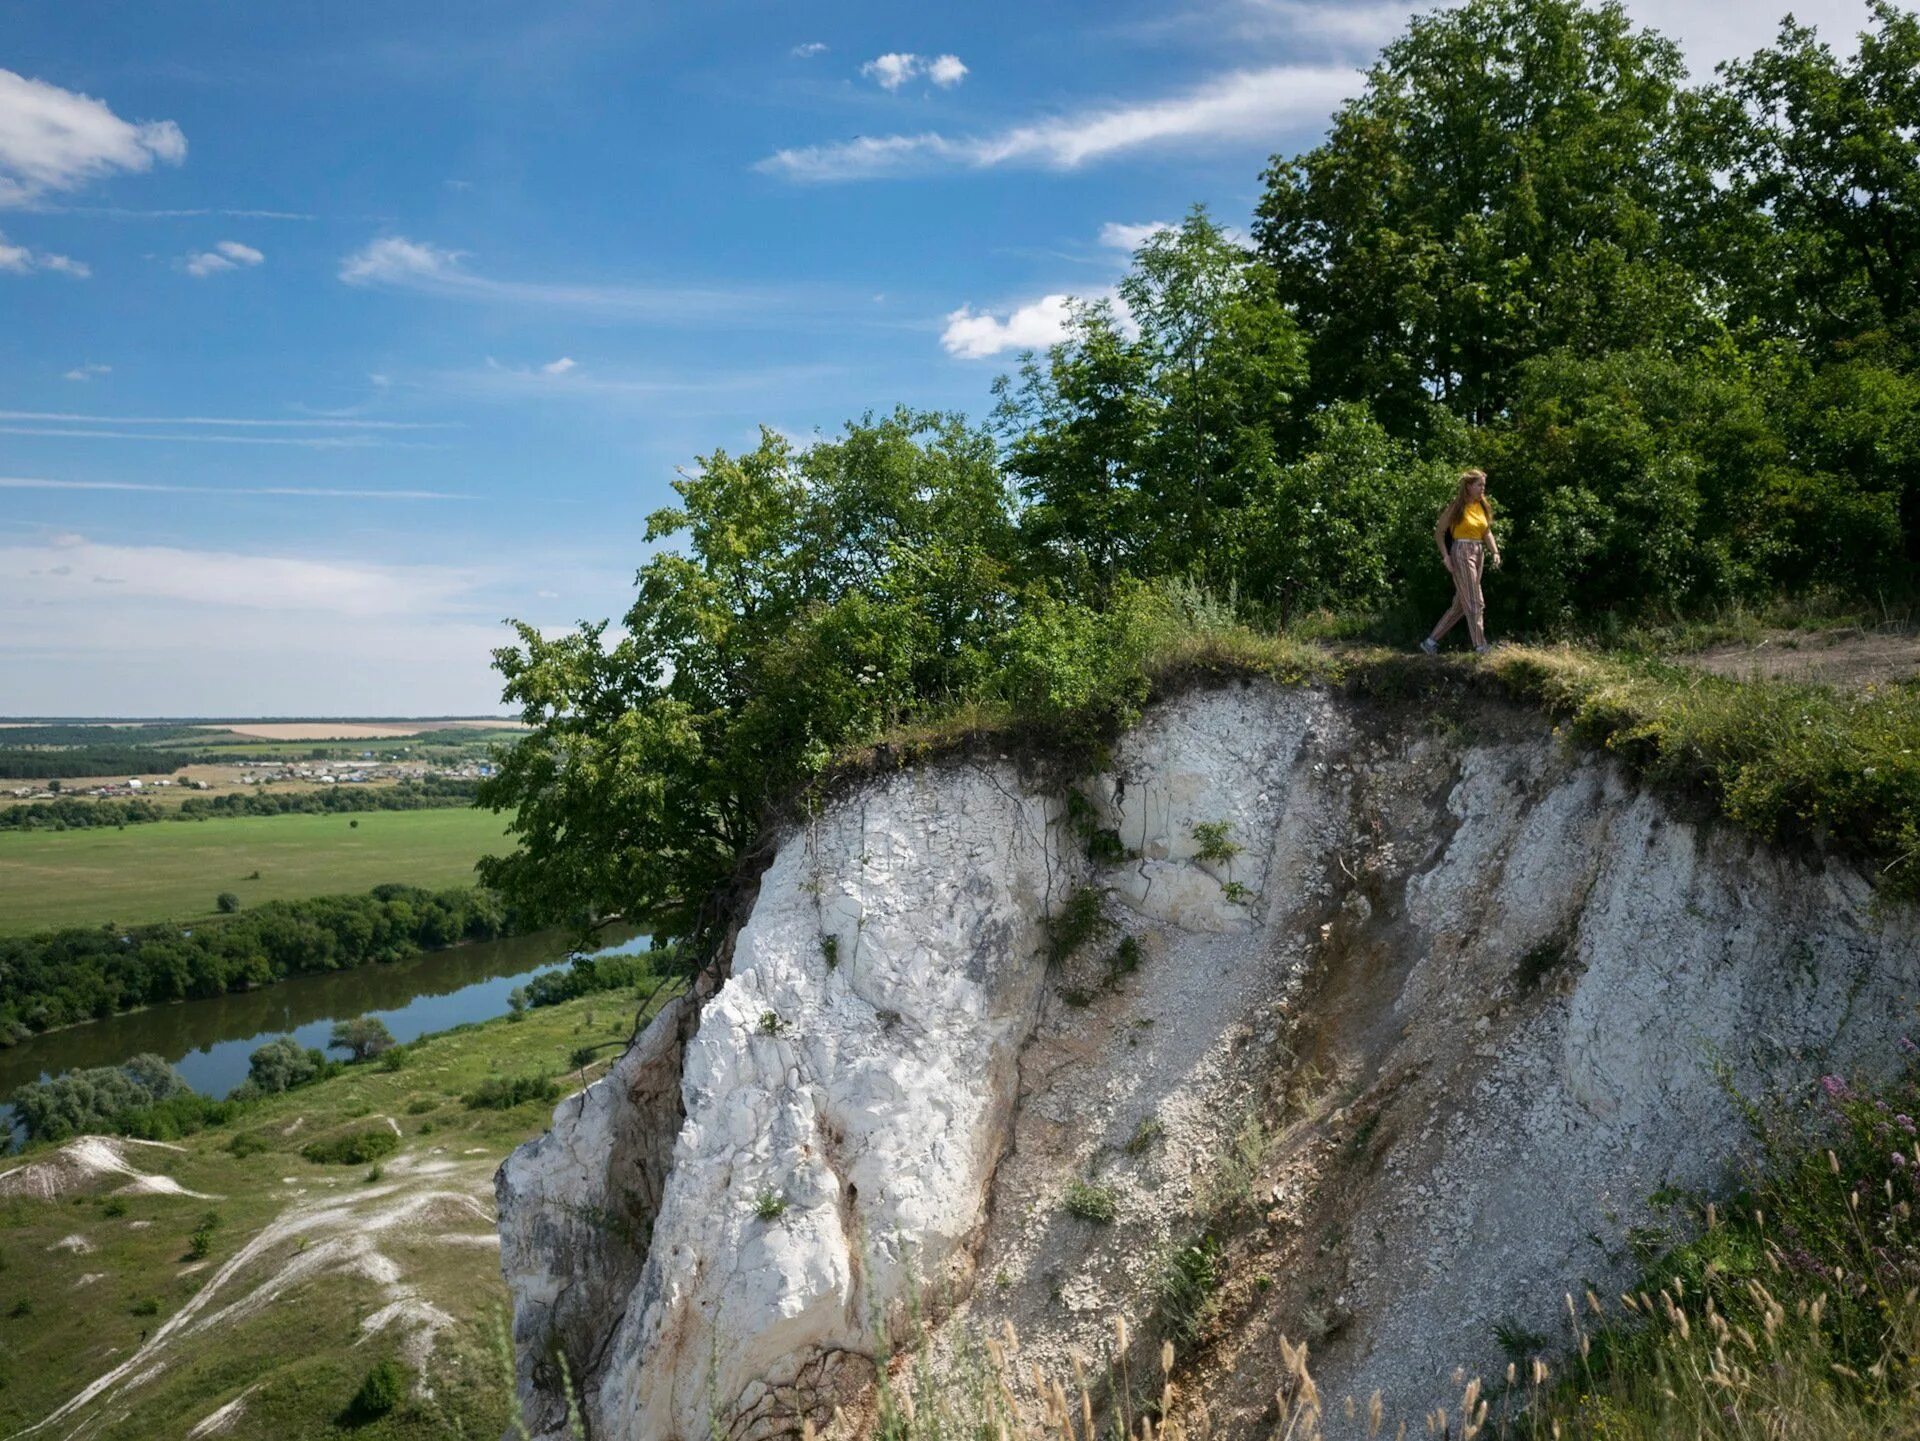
(1791,762)
(71,1310)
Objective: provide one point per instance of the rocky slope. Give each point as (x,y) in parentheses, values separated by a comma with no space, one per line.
(1418,1012)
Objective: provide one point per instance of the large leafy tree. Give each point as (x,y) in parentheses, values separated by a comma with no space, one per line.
(1138,436)
(1505,184)
(1820,239)
(814,597)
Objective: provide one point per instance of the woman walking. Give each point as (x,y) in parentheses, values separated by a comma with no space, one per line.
(1466,541)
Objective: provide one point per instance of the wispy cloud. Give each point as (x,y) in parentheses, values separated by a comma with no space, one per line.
(1244,105)
(188,437)
(227,255)
(229,421)
(896,68)
(124,212)
(18,260)
(395,262)
(89,371)
(53,140)
(560,366)
(306,492)
(978,335)
(1117,235)
(810,49)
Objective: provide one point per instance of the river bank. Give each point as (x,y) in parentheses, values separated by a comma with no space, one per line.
(311,1272)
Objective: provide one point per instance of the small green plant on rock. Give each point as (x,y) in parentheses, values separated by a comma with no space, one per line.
(769,1205)
(1186,1288)
(1215,842)
(1144,1135)
(1078,921)
(830,951)
(771,1024)
(1092,1203)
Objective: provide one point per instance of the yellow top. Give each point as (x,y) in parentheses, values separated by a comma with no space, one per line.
(1474,522)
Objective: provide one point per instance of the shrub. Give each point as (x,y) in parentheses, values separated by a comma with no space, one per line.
(226,903)
(145,1306)
(1215,842)
(382,1390)
(1185,1290)
(364,1036)
(1080,918)
(1091,1203)
(115,1207)
(769,1205)
(354,1148)
(498,1093)
(282,1064)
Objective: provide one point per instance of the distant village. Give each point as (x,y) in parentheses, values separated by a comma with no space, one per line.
(336,772)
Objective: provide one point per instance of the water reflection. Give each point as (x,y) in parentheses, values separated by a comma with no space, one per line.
(209,1041)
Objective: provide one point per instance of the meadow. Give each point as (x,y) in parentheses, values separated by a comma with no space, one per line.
(277,1299)
(175,872)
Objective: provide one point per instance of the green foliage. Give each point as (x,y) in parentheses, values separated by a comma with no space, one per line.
(1081,917)
(383,1389)
(363,1037)
(58,977)
(352,1148)
(1214,843)
(283,1064)
(1135,443)
(588,974)
(81,813)
(226,903)
(104,1098)
(1185,1290)
(503,1094)
(200,1243)
(1789,1311)
(1089,1202)
(770,1205)
(814,599)
(1788,761)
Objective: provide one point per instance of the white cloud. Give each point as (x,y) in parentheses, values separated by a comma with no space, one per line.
(227,421)
(88,371)
(1247,105)
(395,262)
(810,49)
(1117,235)
(18,260)
(53,139)
(892,70)
(560,366)
(946,71)
(227,255)
(349,589)
(95,627)
(977,335)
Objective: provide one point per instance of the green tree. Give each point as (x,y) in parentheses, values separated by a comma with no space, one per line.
(815,598)
(1505,184)
(363,1037)
(282,1064)
(1137,437)
(226,903)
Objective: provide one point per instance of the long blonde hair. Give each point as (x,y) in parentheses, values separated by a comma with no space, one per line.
(1450,517)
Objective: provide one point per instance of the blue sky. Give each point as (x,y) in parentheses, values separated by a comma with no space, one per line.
(334,335)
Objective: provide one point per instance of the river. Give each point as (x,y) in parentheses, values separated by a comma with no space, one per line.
(209,1041)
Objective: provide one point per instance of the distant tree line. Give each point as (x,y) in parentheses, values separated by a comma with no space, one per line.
(58,977)
(78,813)
(20,763)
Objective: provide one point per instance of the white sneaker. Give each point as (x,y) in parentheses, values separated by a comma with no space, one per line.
(1429,647)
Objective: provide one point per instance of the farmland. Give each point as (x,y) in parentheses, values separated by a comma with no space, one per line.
(175,871)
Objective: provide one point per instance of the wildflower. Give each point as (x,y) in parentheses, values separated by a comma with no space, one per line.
(1834,1087)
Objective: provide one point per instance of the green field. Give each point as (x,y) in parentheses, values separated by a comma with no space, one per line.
(174,870)
(88,1278)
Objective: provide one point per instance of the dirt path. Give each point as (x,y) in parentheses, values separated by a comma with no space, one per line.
(1849,659)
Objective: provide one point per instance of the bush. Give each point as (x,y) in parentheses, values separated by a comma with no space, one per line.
(364,1037)
(383,1389)
(500,1094)
(227,903)
(354,1148)
(282,1064)
(98,1098)
(1091,1203)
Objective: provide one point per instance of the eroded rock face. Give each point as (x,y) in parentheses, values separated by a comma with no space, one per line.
(1436,1007)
